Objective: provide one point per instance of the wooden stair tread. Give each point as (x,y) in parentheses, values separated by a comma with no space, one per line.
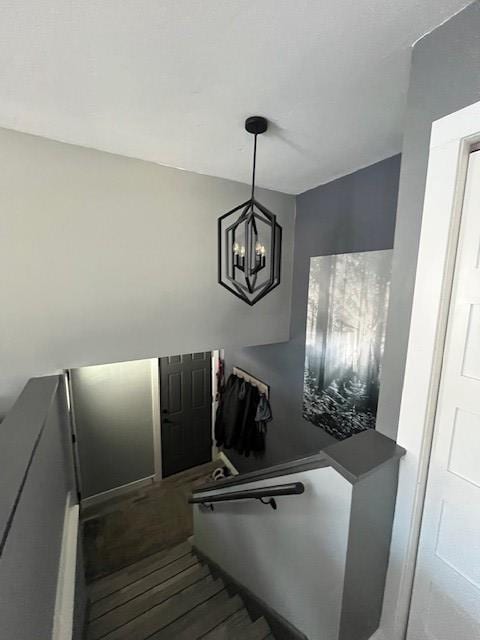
(107,585)
(239,621)
(162,615)
(258,630)
(135,607)
(202,619)
(169,595)
(153,580)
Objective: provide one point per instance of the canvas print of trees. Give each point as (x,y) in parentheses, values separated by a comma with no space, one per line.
(346,318)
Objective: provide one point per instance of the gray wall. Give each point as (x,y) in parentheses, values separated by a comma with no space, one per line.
(353,213)
(445,77)
(107,259)
(114,424)
(37,474)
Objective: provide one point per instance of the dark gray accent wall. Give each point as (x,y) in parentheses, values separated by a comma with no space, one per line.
(445,77)
(36,476)
(354,213)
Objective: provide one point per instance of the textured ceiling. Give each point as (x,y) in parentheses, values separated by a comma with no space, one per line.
(172,80)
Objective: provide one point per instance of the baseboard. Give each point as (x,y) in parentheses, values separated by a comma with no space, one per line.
(221,455)
(117,491)
(65,597)
(281,628)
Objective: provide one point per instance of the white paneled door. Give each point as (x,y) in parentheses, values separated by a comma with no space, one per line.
(446,594)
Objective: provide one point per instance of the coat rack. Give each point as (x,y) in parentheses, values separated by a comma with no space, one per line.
(261,386)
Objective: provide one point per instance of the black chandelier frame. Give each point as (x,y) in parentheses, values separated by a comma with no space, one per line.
(251,261)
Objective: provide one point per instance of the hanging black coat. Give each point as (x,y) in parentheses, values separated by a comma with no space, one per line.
(245,442)
(262,417)
(229,414)
(241,418)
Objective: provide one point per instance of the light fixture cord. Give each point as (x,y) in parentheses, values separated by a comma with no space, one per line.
(254,164)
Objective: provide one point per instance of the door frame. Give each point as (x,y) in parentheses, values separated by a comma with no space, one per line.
(217,355)
(450,145)
(156,418)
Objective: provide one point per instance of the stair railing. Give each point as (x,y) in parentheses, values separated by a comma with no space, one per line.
(266,495)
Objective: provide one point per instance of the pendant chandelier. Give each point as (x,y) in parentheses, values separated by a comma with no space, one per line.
(250,240)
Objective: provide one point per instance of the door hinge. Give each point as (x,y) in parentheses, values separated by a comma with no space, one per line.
(74,438)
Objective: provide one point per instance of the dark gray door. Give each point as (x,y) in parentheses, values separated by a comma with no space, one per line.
(186,405)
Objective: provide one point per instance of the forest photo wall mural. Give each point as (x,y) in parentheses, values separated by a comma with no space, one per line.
(346,320)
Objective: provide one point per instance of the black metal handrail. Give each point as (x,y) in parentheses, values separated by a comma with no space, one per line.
(286,489)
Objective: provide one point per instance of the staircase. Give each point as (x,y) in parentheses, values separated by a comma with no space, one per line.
(169,595)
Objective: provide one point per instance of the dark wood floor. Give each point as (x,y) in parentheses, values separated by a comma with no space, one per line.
(123,530)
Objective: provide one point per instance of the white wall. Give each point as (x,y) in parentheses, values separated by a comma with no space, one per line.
(297,561)
(105,258)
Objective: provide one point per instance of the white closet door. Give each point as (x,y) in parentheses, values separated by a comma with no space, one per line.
(446,595)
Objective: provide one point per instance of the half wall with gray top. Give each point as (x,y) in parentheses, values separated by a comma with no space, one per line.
(319,560)
(36,482)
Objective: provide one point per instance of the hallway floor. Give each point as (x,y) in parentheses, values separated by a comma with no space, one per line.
(125,529)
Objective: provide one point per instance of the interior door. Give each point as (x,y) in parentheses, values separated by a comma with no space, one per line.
(446,595)
(186,410)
